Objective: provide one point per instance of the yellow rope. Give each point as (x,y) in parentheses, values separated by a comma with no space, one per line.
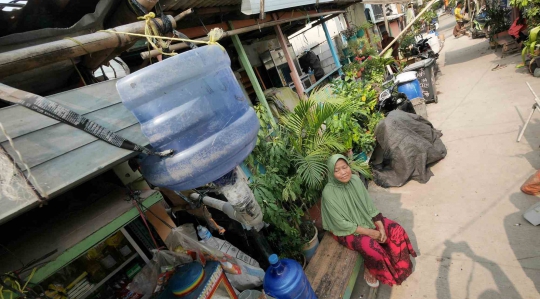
(80,44)
(151,33)
(78,72)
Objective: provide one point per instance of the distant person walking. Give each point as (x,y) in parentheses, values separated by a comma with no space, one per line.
(458,29)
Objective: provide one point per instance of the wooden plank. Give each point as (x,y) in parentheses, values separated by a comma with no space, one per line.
(331,268)
(48,143)
(352,280)
(18,120)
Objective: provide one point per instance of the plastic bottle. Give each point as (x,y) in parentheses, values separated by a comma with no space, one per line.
(193,104)
(285,279)
(206,237)
(224,246)
(252,275)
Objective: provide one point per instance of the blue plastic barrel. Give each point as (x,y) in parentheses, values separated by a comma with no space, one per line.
(409,85)
(285,279)
(191,103)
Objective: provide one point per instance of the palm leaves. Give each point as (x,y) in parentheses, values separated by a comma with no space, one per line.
(312,145)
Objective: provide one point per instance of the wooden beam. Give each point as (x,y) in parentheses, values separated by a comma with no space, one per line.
(319,22)
(244,29)
(20,60)
(294,72)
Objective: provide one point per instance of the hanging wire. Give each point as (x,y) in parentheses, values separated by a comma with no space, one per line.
(202,23)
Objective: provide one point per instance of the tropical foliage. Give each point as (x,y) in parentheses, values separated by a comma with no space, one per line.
(289,165)
(531,10)
(289,160)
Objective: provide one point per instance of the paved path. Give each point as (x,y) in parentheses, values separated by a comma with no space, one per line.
(463,221)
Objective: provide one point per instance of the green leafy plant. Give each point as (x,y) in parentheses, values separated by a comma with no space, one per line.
(530,45)
(294,155)
(497,20)
(350,32)
(531,9)
(311,144)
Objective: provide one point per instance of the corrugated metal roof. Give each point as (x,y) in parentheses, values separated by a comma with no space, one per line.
(283,4)
(185,4)
(60,156)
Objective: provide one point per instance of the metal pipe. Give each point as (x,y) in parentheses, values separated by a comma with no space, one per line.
(262,14)
(294,72)
(331,45)
(217,204)
(251,74)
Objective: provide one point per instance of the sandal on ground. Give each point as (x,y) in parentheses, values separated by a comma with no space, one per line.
(373,285)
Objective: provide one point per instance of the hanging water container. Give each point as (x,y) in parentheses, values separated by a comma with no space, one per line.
(191,103)
(408,84)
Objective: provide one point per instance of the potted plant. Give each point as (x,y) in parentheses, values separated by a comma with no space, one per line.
(294,154)
(350,33)
(362,28)
(310,238)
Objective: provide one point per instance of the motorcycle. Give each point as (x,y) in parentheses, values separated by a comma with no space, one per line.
(390,99)
(423,50)
(480,24)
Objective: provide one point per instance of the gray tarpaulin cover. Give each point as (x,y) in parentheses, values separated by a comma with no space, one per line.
(409,144)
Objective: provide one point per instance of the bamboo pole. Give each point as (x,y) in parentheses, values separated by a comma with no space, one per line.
(180,46)
(409,26)
(20,60)
(94,61)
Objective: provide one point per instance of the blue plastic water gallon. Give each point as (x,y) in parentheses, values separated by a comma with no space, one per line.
(409,85)
(285,279)
(191,103)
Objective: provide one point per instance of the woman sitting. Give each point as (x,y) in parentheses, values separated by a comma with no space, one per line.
(517,28)
(348,213)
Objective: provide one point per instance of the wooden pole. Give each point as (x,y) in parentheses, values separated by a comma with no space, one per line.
(124,14)
(386,21)
(251,75)
(408,26)
(20,60)
(180,46)
(294,73)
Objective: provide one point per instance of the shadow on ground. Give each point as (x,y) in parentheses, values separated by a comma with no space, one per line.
(393,210)
(523,232)
(505,288)
(468,53)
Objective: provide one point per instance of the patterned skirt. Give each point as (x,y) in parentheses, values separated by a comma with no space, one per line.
(389,262)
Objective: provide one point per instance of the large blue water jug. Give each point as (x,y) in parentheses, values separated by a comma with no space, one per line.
(409,85)
(191,103)
(285,279)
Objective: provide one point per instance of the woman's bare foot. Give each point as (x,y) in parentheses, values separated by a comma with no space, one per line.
(370,279)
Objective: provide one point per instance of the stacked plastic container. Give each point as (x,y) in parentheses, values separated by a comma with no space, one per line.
(285,279)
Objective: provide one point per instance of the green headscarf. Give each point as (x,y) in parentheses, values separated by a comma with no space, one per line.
(346,206)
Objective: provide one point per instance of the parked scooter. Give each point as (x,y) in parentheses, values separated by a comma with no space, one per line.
(390,99)
(480,24)
(423,50)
